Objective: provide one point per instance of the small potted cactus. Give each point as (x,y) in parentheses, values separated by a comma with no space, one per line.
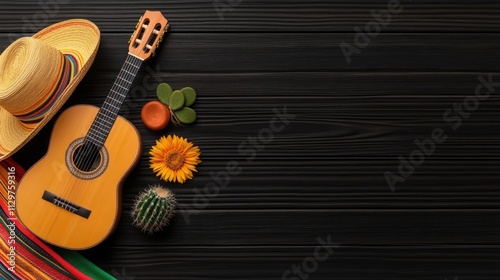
(153,209)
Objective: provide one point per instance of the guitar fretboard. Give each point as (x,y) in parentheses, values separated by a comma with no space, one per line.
(107,114)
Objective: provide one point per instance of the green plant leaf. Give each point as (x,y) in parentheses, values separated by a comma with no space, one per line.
(163,92)
(189,95)
(176,100)
(186,115)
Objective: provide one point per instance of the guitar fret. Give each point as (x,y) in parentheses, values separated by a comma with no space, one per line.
(98,136)
(113,104)
(110,111)
(106,117)
(93,136)
(110,118)
(110,104)
(132,64)
(124,80)
(98,141)
(103,123)
(130,73)
(101,126)
(99,132)
(121,87)
(114,98)
(93,141)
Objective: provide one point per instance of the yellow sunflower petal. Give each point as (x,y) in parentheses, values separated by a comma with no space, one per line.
(170,170)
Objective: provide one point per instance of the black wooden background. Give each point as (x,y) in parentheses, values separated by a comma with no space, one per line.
(323,174)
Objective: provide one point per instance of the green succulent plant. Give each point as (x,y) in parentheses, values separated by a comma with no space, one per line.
(178,101)
(153,209)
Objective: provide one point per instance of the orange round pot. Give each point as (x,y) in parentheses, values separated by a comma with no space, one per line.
(155,115)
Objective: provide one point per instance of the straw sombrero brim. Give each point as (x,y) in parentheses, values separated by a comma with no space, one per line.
(77,37)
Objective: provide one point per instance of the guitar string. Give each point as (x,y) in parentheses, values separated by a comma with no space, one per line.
(128,64)
(91,141)
(79,159)
(101,127)
(88,148)
(84,157)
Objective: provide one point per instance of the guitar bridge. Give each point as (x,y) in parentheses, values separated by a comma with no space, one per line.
(66,205)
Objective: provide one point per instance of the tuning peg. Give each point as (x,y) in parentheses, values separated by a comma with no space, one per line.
(131,36)
(138,22)
(153,53)
(163,33)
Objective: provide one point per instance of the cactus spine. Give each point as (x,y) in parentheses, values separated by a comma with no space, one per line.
(153,209)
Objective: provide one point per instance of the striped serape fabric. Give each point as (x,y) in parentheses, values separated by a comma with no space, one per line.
(23,255)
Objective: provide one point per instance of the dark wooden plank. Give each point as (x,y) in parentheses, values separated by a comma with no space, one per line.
(345,262)
(279,52)
(318,52)
(260,15)
(298,227)
(236,52)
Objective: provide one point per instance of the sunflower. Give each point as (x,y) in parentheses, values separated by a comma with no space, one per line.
(174,159)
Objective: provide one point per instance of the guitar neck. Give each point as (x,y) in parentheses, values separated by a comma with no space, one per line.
(107,114)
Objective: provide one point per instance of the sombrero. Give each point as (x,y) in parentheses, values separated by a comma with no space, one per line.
(38,75)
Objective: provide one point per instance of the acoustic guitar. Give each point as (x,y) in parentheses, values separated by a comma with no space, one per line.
(71,197)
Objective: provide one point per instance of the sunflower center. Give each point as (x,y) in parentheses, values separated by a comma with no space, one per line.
(174,160)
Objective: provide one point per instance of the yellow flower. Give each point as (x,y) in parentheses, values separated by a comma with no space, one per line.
(174,159)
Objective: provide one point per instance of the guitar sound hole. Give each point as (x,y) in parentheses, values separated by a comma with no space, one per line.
(87,157)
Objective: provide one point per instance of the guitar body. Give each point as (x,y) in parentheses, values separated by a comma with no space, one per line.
(70,208)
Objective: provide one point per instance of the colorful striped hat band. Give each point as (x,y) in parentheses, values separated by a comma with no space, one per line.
(33,76)
(38,74)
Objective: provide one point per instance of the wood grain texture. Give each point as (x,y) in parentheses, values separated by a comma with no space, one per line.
(223,53)
(323,174)
(262,15)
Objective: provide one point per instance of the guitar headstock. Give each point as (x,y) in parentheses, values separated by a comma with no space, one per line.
(148,34)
